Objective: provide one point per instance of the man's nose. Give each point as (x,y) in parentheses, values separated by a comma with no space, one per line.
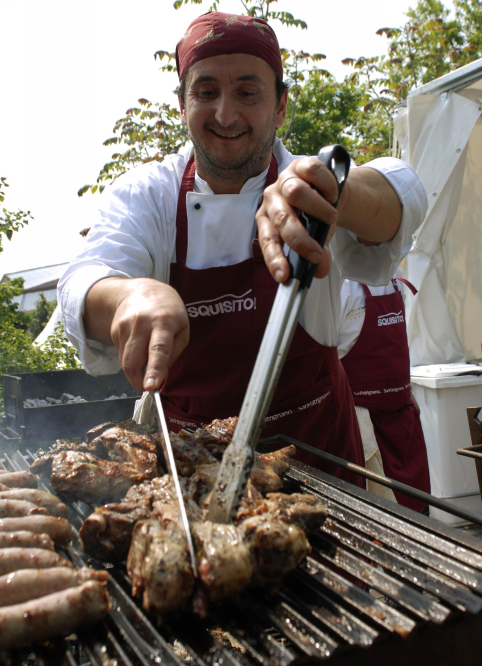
(226,112)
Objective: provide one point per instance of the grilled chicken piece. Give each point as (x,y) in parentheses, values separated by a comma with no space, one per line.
(96,431)
(162,490)
(220,432)
(305,511)
(14,508)
(130,443)
(224,561)
(189,454)
(19,480)
(42,499)
(158,563)
(25,540)
(277,548)
(58,529)
(57,614)
(27,584)
(13,559)
(83,476)
(106,534)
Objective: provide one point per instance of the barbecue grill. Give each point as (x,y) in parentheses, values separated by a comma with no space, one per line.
(383,585)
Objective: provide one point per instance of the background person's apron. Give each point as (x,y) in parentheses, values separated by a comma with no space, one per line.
(228,310)
(378,370)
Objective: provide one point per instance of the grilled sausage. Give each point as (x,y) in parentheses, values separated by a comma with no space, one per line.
(58,529)
(15,508)
(25,540)
(19,480)
(57,614)
(27,584)
(13,559)
(39,497)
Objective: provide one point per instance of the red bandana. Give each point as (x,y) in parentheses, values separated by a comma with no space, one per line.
(215,34)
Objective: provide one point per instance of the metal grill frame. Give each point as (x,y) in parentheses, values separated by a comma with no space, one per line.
(427,577)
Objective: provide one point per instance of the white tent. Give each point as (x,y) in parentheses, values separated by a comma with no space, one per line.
(439,132)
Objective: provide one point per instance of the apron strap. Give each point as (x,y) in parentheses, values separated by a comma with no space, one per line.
(367,292)
(407,283)
(187,185)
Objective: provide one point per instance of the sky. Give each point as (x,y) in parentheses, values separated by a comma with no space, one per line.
(71,69)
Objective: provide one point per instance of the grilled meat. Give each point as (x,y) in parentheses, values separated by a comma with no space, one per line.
(57,614)
(19,480)
(43,465)
(58,529)
(27,584)
(13,559)
(130,443)
(158,563)
(220,432)
(82,476)
(224,561)
(25,540)
(13,508)
(302,510)
(106,534)
(277,548)
(42,499)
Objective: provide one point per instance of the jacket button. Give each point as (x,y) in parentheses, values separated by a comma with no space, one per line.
(197,206)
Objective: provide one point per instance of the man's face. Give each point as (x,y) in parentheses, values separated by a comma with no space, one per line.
(231,111)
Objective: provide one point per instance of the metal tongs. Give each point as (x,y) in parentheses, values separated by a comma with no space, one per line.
(171,468)
(238,459)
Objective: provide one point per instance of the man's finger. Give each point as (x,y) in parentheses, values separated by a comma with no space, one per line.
(160,358)
(272,249)
(133,357)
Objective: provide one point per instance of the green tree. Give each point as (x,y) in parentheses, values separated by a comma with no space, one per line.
(40,316)
(9,221)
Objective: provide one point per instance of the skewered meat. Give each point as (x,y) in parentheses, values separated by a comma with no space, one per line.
(158,563)
(25,540)
(86,477)
(43,499)
(27,584)
(13,559)
(19,480)
(58,529)
(14,508)
(106,534)
(54,615)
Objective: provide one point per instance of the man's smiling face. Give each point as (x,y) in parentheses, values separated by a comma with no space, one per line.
(231,110)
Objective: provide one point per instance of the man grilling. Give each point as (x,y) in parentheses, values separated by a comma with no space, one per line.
(177,281)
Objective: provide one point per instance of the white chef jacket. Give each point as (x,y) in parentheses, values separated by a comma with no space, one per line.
(135,236)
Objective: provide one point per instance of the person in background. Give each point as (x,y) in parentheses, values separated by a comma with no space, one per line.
(373,349)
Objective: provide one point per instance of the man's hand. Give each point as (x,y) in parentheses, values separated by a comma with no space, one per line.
(369,207)
(147,322)
(278,220)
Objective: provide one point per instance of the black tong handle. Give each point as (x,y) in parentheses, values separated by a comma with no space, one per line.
(337,160)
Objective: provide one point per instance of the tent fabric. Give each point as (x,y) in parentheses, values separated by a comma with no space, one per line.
(433,134)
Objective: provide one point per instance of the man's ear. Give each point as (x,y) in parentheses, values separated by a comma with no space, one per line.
(183,111)
(281,112)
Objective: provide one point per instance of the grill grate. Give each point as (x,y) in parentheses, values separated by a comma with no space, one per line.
(426,597)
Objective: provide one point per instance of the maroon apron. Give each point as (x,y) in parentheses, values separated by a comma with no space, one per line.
(378,370)
(228,308)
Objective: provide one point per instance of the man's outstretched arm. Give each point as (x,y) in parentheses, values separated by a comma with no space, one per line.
(146,321)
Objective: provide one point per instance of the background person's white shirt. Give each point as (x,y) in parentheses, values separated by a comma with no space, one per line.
(135,236)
